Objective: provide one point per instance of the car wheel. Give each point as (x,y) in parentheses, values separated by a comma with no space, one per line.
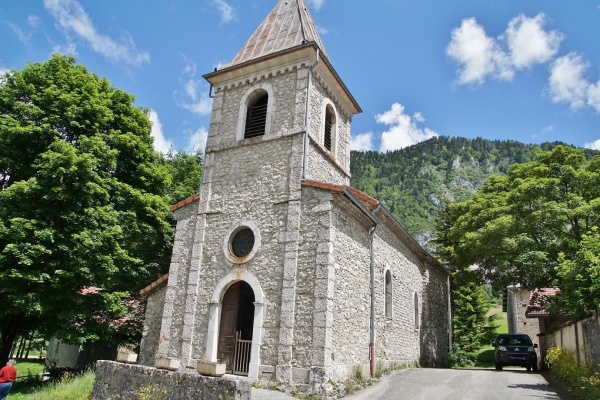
(499,367)
(535,368)
(528,368)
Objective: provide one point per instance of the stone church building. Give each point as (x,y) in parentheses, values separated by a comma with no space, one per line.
(279,268)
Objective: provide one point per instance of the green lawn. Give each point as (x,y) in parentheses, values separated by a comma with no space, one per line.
(29,367)
(74,387)
(485,355)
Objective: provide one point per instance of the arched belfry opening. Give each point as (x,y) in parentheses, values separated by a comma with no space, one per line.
(256,117)
(236,328)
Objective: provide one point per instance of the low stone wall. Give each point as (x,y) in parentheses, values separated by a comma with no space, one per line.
(580,338)
(117,381)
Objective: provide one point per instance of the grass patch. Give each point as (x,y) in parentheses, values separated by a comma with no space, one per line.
(29,367)
(71,387)
(484,358)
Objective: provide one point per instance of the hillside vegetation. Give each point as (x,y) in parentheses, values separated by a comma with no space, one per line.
(415,182)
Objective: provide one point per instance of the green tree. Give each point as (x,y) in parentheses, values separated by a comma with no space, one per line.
(82,202)
(579,279)
(185,170)
(472,328)
(527,228)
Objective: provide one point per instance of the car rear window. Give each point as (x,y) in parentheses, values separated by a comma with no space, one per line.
(514,341)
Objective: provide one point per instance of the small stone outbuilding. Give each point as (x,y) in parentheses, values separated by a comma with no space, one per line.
(279,268)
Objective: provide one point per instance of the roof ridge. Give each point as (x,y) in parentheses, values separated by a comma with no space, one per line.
(289,24)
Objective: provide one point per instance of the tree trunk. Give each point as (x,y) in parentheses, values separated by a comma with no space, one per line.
(10,331)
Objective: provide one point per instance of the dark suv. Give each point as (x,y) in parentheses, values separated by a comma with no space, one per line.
(515,350)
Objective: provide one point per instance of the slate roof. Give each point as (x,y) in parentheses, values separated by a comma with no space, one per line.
(288,25)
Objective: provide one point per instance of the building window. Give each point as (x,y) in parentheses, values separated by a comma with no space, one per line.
(329,126)
(417,318)
(242,242)
(388,294)
(256,115)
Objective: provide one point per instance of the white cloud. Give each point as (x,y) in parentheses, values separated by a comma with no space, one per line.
(403,130)
(227,11)
(193,95)
(33,21)
(593,99)
(362,142)
(67,48)
(21,36)
(567,83)
(529,43)
(161,144)
(478,55)
(317,4)
(594,145)
(197,140)
(72,19)
(524,44)
(2,72)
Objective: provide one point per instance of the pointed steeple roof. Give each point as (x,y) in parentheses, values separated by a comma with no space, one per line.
(289,24)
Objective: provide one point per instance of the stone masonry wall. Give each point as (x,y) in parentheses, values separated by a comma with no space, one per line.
(579,338)
(352,294)
(313,339)
(289,104)
(116,381)
(398,337)
(151,331)
(249,185)
(333,295)
(435,324)
(174,296)
(322,163)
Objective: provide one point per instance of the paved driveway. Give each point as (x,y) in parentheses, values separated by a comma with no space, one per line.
(447,384)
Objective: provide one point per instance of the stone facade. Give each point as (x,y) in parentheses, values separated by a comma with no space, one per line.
(308,263)
(118,381)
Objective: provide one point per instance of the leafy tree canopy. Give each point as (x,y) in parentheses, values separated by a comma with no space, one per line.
(83,201)
(535,227)
(185,171)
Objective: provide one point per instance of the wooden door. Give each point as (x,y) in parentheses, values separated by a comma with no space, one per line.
(229,315)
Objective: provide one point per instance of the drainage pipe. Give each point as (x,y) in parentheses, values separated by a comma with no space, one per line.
(307,117)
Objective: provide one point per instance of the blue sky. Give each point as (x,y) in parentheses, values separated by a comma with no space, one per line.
(526,70)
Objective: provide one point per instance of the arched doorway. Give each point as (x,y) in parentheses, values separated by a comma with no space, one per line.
(236,327)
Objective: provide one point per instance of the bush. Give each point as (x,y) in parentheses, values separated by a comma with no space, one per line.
(583,380)
(459,358)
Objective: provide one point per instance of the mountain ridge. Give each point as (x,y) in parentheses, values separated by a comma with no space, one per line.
(415,182)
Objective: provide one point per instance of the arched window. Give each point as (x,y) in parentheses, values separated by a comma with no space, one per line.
(417,318)
(388,294)
(256,116)
(329,126)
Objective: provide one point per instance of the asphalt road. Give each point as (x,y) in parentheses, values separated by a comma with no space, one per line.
(447,384)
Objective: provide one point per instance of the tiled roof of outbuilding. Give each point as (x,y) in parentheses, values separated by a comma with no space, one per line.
(150,288)
(534,307)
(185,202)
(289,24)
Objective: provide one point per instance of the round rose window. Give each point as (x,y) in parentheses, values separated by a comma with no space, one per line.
(242,242)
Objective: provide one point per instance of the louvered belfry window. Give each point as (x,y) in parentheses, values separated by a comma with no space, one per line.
(329,126)
(256,119)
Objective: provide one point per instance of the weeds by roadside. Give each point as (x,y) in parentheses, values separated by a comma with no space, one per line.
(583,381)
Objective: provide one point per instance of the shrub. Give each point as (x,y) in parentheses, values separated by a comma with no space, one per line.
(583,380)
(460,358)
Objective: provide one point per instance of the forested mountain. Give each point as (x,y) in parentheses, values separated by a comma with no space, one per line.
(416,181)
